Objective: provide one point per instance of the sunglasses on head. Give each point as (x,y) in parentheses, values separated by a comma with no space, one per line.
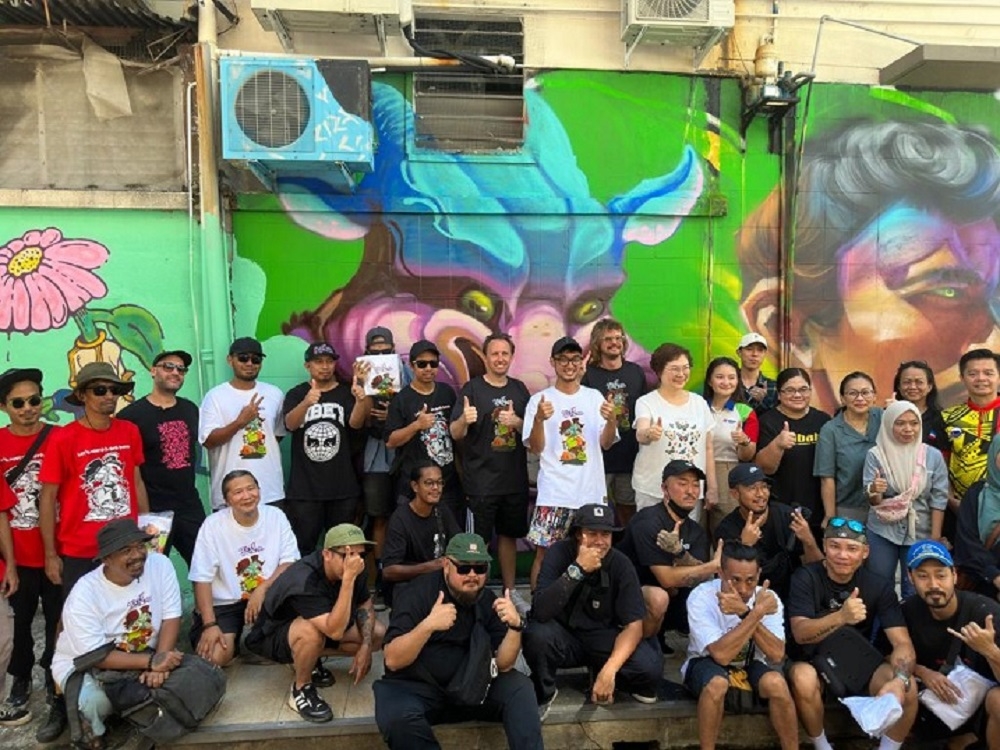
(480,568)
(422,364)
(856,526)
(173,367)
(116,390)
(252,358)
(19,403)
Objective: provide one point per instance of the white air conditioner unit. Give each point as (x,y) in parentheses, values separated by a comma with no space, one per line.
(287,17)
(685,23)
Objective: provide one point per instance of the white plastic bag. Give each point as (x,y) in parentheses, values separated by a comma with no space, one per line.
(972,687)
(874,715)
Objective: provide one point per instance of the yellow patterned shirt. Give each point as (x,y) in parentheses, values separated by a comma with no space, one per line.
(969,430)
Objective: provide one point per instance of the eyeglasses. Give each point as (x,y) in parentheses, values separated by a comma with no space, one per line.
(678,369)
(463,569)
(614,339)
(432,482)
(252,358)
(853,395)
(116,390)
(803,391)
(568,360)
(19,403)
(856,526)
(173,367)
(423,364)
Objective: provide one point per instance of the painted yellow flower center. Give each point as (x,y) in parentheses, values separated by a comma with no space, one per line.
(24,262)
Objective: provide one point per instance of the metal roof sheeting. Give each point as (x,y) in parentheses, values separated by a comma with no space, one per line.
(132,14)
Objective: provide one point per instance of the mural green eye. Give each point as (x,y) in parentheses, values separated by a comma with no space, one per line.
(478,304)
(587,310)
(948,292)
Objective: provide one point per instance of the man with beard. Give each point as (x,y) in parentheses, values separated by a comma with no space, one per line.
(612,375)
(241,423)
(418,531)
(133,601)
(417,425)
(838,592)
(92,470)
(23,444)
(428,642)
(322,417)
(946,624)
(588,611)
(168,424)
(670,551)
(781,535)
(488,419)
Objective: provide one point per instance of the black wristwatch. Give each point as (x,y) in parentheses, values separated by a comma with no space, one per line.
(574,572)
(518,628)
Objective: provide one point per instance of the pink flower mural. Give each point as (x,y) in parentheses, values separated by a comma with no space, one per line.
(45,278)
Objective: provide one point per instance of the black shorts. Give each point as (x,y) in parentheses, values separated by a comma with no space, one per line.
(701,670)
(380,494)
(229,618)
(275,644)
(505,514)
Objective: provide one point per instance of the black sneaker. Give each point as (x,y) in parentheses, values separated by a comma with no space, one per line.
(14,716)
(310,706)
(20,690)
(55,723)
(322,677)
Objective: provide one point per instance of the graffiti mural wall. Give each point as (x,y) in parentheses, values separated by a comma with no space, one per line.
(634,197)
(82,286)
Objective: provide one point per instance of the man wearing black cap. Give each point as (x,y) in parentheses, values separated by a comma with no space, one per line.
(241,423)
(168,424)
(417,426)
(840,593)
(568,426)
(23,444)
(671,553)
(588,610)
(781,535)
(92,468)
(322,416)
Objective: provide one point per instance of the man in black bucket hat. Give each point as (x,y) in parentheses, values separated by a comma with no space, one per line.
(588,610)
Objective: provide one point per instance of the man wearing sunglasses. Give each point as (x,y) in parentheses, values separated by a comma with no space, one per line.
(588,611)
(240,424)
(417,426)
(168,424)
(438,621)
(22,447)
(92,470)
(837,593)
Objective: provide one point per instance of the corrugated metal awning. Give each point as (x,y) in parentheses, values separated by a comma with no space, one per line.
(130,14)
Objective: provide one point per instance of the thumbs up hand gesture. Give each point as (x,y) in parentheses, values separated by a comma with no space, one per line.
(786,438)
(425,419)
(655,431)
(545,408)
(507,417)
(608,408)
(442,616)
(766,601)
(878,485)
(469,412)
(854,610)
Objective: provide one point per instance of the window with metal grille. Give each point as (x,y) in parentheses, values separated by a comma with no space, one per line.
(469,111)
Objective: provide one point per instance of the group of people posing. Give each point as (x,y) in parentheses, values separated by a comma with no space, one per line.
(741,515)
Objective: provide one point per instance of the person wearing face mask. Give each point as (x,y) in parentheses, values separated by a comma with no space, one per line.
(906,482)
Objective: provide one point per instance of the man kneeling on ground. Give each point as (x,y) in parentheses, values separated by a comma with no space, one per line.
(320,606)
(737,625)
(588,610)
(117,651)
(449,656)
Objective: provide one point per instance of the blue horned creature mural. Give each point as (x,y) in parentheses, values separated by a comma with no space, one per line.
(458,246)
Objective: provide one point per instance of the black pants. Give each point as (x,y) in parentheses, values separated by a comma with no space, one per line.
(34,586)
(405,711)
(310,519)
(548,647)
(75,568)
(183,534)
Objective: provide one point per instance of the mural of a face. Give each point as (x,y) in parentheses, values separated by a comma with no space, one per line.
(457,247)
(896,253)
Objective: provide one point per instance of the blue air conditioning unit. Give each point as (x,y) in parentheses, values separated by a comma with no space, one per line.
(298,117)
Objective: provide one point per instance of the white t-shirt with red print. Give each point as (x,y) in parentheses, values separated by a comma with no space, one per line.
(236,559)
(98,611)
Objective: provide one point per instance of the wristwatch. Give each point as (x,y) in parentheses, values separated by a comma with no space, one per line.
(574,572)
(904,678)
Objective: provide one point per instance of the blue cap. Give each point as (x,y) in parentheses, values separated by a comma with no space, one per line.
(926,550)
(746,475)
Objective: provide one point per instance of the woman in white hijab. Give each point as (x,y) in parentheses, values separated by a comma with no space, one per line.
(906,483)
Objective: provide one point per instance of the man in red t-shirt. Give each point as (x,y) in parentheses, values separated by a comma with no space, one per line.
(22,447)
(91,468)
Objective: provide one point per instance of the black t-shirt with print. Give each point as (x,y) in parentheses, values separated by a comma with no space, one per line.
(411,539)
(493,456)
(639,542)
(434,444)
(625,385)
(793,482)
(321,466)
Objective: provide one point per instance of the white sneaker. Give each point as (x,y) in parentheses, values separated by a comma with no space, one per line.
(544,708)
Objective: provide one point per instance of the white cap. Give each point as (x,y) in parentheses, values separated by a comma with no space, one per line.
(752,338)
